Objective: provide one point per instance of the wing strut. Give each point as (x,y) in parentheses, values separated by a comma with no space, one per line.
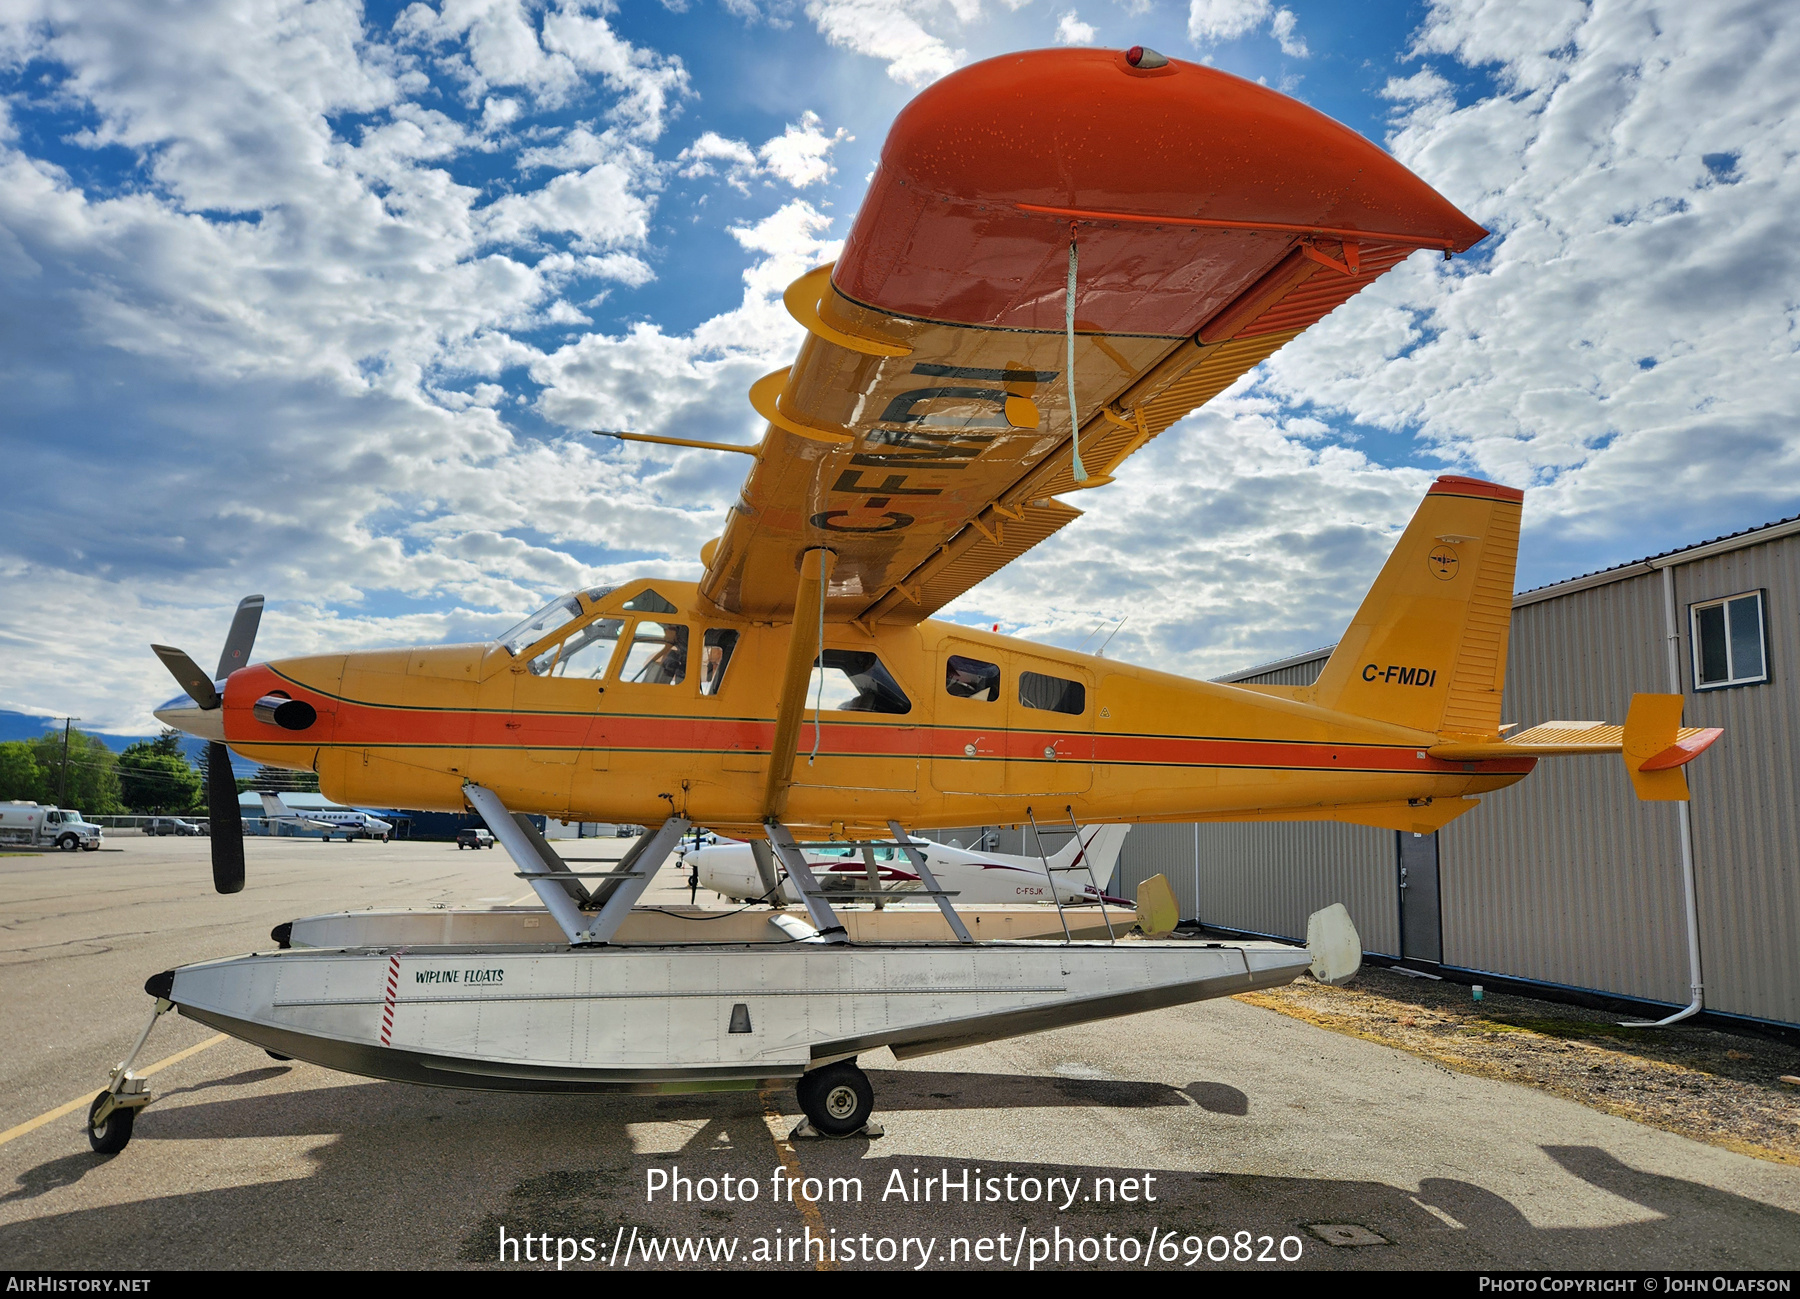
(803,649)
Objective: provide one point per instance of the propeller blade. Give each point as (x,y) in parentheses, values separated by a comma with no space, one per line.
(241,636)
(227,821)
(189,677)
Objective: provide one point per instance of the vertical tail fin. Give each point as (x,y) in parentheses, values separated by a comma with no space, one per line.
(1428,647)
(273,806)
(1099,844)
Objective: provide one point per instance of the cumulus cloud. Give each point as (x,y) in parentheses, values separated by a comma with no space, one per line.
(1624,342)
(1623,345)
(1213,21)
(1070,30)
(800,156)
(892,31)
(316,333)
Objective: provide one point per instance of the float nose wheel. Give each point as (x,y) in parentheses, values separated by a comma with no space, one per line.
(114,1111)
(109,1124)
(837,1100)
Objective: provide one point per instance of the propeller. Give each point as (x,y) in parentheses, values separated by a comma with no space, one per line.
(222,808)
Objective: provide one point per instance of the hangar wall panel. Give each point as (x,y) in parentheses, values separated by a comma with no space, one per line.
(1566,877)
(1268,878)
(1747,794)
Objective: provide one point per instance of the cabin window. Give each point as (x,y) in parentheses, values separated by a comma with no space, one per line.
(1730,645)
(966,678)
(718,646)
(1052,694)
(563,609)
(855,682)
(850,854)
(658,654)
(583,654)
(649,602)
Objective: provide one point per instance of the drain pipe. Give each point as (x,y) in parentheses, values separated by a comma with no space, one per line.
(1696,987)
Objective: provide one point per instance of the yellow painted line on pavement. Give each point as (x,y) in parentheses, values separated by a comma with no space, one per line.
(51,1116)
(790,1160)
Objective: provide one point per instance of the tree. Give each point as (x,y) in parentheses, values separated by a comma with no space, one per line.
(20,775)
(280,780)
(88,782)
(156,777)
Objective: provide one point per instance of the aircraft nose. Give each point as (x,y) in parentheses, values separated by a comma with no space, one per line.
(187,716)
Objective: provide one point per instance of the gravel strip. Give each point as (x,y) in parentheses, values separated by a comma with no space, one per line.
(1722,1088)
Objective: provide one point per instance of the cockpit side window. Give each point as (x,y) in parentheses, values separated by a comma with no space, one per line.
(583,654)
(658,654)
(854,681)
(717,648)
(966,678)
(563,609)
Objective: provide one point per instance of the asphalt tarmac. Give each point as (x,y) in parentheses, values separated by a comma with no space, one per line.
(1264,1141)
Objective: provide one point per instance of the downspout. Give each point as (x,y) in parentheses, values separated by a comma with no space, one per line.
(1696,987)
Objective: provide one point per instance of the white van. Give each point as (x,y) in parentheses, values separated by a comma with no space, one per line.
(35,825)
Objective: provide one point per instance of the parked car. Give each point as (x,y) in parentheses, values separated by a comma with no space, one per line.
(474,839)
(629,831)
(171,825)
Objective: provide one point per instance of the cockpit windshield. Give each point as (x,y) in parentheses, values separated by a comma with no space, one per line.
(565,608)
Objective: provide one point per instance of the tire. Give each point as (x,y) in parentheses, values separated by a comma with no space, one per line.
(838,1099)
(110,1137)
(276,1055)
(68,843)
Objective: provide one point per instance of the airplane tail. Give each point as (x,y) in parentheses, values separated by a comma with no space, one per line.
(273,806)
(1099,847)
(1428,647)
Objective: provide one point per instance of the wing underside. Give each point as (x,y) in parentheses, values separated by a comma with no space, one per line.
(925,432)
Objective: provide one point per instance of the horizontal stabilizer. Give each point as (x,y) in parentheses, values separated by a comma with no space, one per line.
(1653,743)
(1560,739)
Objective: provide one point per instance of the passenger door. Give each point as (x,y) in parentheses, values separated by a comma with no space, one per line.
(1050,742)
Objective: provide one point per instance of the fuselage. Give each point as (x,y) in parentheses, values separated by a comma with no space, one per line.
(665,705)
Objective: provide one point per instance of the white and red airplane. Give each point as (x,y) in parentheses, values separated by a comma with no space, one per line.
(1073,874)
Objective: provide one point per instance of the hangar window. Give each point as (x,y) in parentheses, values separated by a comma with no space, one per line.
(717,646)
(855,682)
(658,654)
(966,678)
(1730,642)
(1051,693)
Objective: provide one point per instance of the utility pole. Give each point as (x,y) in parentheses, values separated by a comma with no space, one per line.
(62,783)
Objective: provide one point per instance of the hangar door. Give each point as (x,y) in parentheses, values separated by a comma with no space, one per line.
(1421,923)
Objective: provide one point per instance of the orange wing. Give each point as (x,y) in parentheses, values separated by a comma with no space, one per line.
(925,431)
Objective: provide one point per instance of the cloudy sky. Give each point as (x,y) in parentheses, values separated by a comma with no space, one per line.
(317,299)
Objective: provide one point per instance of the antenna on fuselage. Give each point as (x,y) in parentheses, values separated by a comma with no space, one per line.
(1101,652)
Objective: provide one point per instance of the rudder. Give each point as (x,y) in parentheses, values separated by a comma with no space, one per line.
(1427,649)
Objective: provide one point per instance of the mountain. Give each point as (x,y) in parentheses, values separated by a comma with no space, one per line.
(28,726)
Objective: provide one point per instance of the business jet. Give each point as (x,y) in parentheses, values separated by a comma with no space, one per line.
(347,821)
